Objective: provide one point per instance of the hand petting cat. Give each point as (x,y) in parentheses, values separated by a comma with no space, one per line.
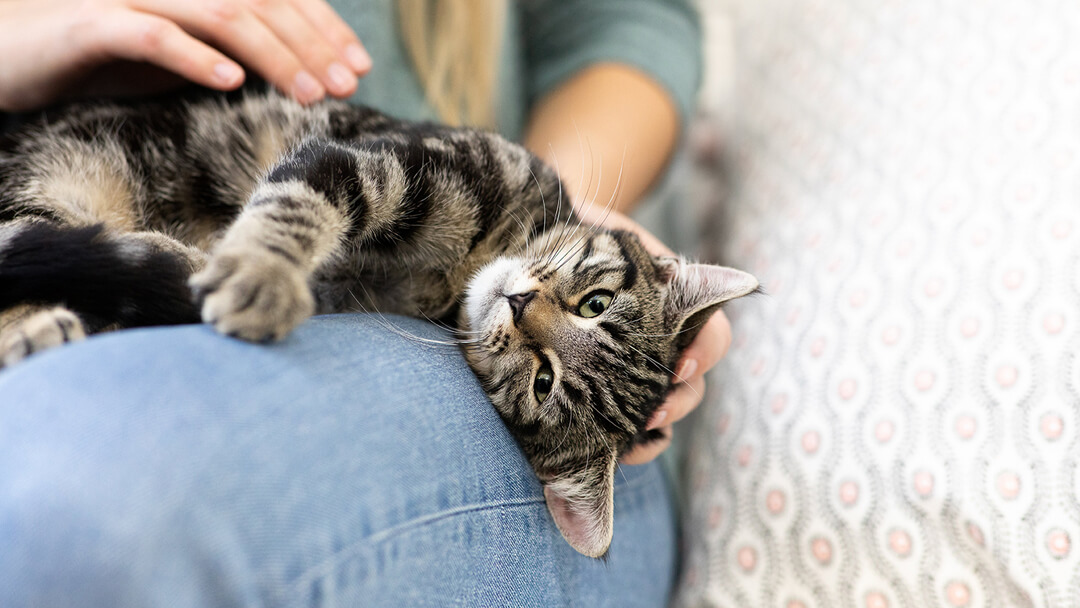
(56,49)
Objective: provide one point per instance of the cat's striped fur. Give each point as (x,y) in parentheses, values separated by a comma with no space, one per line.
(271,212)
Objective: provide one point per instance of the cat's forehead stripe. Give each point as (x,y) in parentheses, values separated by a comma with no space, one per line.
(631,274)
(586,252)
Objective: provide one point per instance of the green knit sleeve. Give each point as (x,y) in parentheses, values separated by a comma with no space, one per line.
(660,37)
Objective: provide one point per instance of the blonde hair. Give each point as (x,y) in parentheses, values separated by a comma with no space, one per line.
(454,46)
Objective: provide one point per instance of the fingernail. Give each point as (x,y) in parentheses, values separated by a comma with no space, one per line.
(307,88)
(344,80)
(657,420)
(357,58)
(228,74)
(685,370)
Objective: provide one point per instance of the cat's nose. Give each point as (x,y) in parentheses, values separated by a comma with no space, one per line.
(518,302)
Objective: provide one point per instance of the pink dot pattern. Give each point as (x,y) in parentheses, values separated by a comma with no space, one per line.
(896,424)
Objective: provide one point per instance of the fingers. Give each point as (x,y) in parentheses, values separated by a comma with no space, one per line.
(313,50)
(238,31)
(689,389)
(683,399)
(710,345)
(646,453)
(331,25)
(152,39)
(282,40)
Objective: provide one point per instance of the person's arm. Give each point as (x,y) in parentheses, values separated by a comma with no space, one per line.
(583,127)
(618,115)
(52,49)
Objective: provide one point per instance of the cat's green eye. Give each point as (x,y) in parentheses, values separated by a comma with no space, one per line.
(595,303)
(545,379)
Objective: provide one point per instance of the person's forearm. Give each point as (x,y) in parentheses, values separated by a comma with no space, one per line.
(584,126)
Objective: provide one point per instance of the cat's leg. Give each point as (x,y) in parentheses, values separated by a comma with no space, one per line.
(106,279)
(256,282)
(418,200)
(90,282)
(27,329)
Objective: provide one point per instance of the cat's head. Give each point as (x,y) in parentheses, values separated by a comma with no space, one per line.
(575,345)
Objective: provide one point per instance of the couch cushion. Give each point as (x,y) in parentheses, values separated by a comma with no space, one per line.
(896,423)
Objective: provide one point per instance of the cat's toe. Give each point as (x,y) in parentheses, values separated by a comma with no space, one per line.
(252,295)
(210,278)
(40,331)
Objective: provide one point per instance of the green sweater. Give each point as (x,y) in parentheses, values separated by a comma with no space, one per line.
(546,42)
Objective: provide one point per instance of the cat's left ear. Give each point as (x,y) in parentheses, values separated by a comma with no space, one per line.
(582,504)
(695,291)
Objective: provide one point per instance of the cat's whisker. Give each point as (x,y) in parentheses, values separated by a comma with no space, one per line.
(607,443)
(588,189)
(615,191)
(595,225)
(543,200)
(527,234)
(565,435)
(455,330)
(558,205)
(543,203)
(665,368)
(607,212)
(564,252)
(557,245)
(581,152)
(554,247)
(381,319)
(667,335)
(568,234)
(612,422)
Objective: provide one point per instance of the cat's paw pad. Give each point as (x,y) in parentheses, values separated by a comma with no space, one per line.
(252,294)
(37,332)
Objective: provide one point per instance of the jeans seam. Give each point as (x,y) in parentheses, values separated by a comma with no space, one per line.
(328,565)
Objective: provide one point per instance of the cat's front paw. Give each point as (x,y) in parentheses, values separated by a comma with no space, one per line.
(252,294)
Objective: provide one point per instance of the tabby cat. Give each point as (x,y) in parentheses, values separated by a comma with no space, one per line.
(252,213)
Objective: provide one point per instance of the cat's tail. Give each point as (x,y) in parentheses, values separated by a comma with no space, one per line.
(107,279)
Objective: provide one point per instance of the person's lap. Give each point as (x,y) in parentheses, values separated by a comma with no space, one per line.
(346,465)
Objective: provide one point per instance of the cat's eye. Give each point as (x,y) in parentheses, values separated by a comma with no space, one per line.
(595,303)
(545,379)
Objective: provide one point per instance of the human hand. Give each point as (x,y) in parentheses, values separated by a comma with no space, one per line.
(52,47)
(706,350)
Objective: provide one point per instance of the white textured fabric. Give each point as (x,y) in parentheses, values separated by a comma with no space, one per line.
(897,422)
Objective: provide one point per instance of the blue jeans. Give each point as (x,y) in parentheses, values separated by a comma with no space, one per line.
(345,466)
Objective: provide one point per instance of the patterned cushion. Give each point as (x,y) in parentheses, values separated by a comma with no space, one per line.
(897,421)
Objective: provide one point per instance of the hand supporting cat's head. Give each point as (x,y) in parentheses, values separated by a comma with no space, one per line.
(574,343)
